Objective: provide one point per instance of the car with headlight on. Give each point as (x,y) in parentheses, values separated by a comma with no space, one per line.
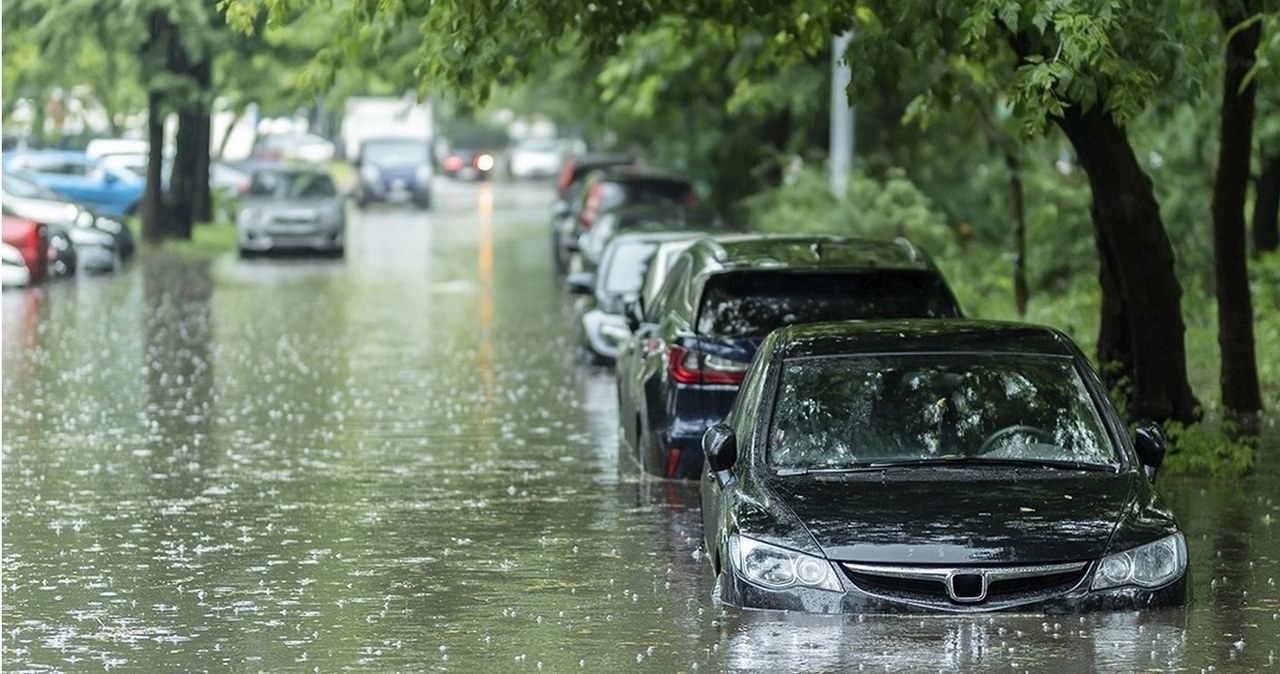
(934,466)
(395,169)
(469,164)
(291,208)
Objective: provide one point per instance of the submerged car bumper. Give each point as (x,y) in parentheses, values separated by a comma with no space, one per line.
(856,599)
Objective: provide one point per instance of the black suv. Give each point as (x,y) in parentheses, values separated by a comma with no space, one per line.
(680,372)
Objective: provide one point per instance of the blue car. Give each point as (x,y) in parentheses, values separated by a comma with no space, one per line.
(110,191)
(693,340)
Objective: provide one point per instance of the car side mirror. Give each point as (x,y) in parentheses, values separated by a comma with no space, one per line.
(720,447)
(560,208)
(581,282)
(1151,445)
(634,313)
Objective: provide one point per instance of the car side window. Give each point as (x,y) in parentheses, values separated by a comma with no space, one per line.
(672,287)
(749,398)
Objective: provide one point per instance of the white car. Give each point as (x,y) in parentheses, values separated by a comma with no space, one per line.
(15,273)
(535,158)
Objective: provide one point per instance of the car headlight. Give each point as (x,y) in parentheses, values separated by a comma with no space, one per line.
(247,217)
(83,218)
(370,173)
(778,568)
(1150,565)
(423,173)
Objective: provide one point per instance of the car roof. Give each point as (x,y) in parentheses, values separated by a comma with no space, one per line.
(766,251)
(639,173)
(924,335)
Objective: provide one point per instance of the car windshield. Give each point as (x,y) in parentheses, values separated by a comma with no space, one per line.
(292,185)
(625,271)
(402,152)
(850,412)
(757,302)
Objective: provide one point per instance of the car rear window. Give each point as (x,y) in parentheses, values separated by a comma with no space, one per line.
(757,302)
(656,191)
(625,271)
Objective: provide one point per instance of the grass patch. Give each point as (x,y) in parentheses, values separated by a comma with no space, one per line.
(208,240)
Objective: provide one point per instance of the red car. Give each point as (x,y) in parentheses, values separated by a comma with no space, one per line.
(31,239)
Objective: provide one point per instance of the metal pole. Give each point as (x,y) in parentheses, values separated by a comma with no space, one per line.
(842,141)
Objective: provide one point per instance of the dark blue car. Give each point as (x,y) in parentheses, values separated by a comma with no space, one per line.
(681,371)
(395,170)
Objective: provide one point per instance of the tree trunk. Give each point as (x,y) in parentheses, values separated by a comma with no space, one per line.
(153,210)
(1001,142)
(1136,255)
(201,117)
(1266,206)
(1239,374)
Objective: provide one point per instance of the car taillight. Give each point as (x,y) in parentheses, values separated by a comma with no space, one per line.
(694,367)
(566,177)
(483,162)
(592,205)
(692,200)
(453,163)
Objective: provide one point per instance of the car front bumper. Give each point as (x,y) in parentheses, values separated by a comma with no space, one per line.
(736,590)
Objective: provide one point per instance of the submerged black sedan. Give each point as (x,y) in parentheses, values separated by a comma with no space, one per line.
(917,466)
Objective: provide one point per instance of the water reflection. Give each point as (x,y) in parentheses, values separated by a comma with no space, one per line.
(1119,642)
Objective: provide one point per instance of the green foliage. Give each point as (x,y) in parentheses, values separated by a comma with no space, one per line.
(871,208)
(1206,448)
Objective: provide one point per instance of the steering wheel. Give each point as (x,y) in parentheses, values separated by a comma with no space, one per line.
(992,442)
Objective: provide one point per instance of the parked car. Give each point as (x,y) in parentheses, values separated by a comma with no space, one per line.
(26,197)
(954,466)
(15,273)
(395,169)
(641,218)
(535,158)
(692,342)
(291,208)
(31,240)
(469,164)
(607,189)
(109,191)
(577,168)
(601,312)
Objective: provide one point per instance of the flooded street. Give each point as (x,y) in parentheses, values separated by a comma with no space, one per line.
(393,463)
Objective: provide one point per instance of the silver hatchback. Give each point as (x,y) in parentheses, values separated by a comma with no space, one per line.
(291,208)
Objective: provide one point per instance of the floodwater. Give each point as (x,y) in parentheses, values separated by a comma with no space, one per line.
(392,463)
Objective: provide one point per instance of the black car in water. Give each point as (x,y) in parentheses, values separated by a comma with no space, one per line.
(917,466)
(680,372)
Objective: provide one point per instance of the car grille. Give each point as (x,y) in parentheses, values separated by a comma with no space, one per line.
(966,587)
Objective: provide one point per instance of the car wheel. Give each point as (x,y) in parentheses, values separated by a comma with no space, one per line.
(558,256)
(246,254)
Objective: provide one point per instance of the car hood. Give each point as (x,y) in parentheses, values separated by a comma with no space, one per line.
(960,516)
